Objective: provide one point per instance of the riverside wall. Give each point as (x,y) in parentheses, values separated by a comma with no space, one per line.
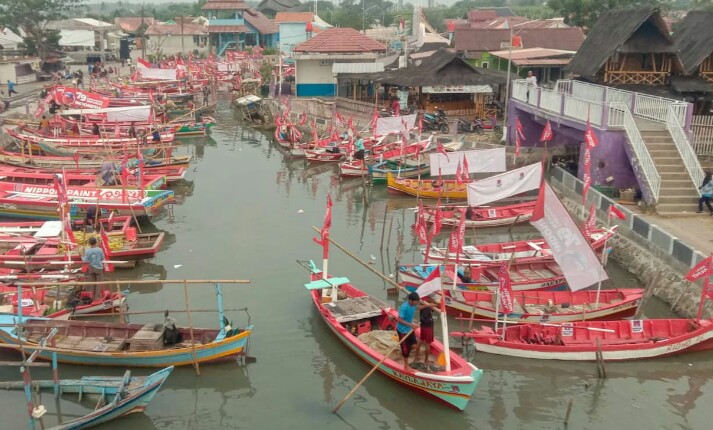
(651,259)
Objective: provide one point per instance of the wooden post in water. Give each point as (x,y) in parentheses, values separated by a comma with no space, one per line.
(383,227)
(600,361)
(190,326)
(569,411)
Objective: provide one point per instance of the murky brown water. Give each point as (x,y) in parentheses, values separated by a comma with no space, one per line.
(237,218)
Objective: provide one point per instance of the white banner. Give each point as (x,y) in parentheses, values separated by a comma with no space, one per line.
(158,74)
(394,124)
(479,161)
(579,263)
(505,185)
(135,114)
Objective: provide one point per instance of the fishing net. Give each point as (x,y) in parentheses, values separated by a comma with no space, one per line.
(382,342)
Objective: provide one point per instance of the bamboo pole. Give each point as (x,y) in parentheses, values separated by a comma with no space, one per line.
(190,327)
(362,262)
(170,311)
(373,369)
(140,282)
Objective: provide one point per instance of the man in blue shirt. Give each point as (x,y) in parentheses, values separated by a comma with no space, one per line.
(95,257)
(11,88)
(405,327)
(359,146)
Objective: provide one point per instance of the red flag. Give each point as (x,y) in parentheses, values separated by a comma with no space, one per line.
(75,156)
(421,225)
(455,243)
(436,228)
(546,132)
(466,170)
(143,63)
(374,120)
(699,270)
(324,233)
(303,119)
(108,267)
(124,178)
(589,137)
(505,288)
(519,128)
(591,222)
(404,131)
(615,212)
(442,150)
(459,173)
(420,124)
(338,119)
(586,176)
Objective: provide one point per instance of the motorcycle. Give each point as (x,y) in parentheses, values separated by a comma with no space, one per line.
(437,121)
(480,125)
(464,126)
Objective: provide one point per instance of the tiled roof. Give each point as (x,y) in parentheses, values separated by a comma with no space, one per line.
(175,29)
(340,40)
(262,24)
(228,29)
(491,39)
(294,17)
(278,5)
(225,5)
(132,24)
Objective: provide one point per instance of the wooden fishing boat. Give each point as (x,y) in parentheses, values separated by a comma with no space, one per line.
(14,175)
(59,303)
(200,128)
(542,275)
(405,169)
(524,251)
(35,137)
(324,155)
(481,217)
(359,168)
(40,201)
(95,343)
(356,314)
(120,396)
(544,306)
(428,189)
(579,341)
(45,248)
(170,174)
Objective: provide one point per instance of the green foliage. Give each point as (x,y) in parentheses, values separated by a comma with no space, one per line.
(584,13)
(32,16)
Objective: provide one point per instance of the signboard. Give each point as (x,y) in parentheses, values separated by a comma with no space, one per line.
(457,89)
(74,97)
(567,329)
(104,194)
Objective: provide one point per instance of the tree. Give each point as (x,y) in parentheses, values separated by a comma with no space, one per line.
(33,15)
(584,13)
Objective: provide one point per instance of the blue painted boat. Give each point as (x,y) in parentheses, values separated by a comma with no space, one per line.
(410,169)
(96,343)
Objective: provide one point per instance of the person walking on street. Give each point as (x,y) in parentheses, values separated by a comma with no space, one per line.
(11,88)
(94,256)
(706,190)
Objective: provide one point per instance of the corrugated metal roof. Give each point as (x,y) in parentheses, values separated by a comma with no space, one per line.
(339,68)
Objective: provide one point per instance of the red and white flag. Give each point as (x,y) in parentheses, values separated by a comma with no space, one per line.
(505,289)
(436,228)
(442,150)
(615,212)
(587,175)
(108,267)
(591,222)
(455,242)
(324,233)
(546,132)
(579,263)
(519,129)
(303,119)
(141,63)
(699,270)
(589,137)
(421,225)
(431,284)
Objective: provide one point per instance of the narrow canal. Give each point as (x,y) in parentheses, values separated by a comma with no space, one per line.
(238,217)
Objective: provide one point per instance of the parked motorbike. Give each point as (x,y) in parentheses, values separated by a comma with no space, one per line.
(437,121)
(480,125)
(465,126)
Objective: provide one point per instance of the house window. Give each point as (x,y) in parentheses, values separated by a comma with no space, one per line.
(484,64)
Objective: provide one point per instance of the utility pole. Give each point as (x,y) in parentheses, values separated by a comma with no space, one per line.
(363,16)
(183,46)
(143,33)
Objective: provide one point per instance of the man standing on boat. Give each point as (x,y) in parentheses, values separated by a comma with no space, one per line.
(94,256)
(406,327)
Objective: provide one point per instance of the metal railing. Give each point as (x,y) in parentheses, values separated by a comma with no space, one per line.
(551,101)
(688,155)
(585,91)
(642,160)
(519,90)
(583,110)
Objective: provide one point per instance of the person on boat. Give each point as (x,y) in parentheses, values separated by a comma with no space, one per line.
(94,257)
(406,328)
(90,219)
(465,276)
(706,190)
(156,136)
(469,213)
(132,131)
(396,107)
(44,126)
(359,145)
(283,132)
(95,129)
(426,334)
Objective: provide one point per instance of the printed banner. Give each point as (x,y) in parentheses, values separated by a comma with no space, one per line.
(393,124)
(142,114)
(77,98)
(104,194)
(505,185)
(479,161)
(570,249)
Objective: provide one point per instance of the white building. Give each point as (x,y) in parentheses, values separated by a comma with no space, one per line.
(172,38)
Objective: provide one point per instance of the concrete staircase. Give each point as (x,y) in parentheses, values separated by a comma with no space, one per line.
(678,193)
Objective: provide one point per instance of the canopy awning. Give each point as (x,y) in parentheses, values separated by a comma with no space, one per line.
(350,68)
